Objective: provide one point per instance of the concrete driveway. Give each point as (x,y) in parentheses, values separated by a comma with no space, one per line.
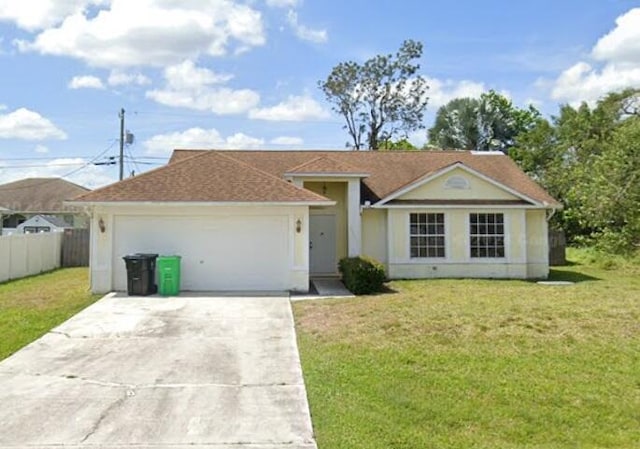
(160,373)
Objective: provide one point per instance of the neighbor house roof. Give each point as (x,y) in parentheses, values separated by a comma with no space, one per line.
(51,219)
(388,171)
(37,195)
(206,177)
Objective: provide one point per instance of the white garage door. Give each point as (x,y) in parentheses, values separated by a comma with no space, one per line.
(218,253)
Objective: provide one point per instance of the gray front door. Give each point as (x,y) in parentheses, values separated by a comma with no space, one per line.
(322,244)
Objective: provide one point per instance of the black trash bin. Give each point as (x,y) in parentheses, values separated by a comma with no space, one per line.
(140,278)
(151,268)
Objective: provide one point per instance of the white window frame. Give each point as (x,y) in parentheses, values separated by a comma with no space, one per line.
(504,236)
(444,236)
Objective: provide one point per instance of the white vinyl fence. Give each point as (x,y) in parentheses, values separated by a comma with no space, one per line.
(27,254)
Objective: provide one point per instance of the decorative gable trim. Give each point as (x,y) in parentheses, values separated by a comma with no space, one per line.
(458,165)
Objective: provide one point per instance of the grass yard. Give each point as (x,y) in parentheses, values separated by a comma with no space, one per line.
(32,306)
(479,363)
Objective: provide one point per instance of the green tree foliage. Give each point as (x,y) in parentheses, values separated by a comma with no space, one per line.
(610,195)
(381,99)
(491,122)
(399,145)
(589,158)
(456,125)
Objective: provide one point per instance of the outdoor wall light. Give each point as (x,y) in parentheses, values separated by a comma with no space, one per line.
(298,226)
(101,225)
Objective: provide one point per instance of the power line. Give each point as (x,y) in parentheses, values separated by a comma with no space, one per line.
(90,162)
(65,164)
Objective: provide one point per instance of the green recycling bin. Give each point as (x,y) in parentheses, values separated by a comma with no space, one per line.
(168,269)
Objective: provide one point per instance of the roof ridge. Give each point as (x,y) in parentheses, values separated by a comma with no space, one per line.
(291,170)
(142,175)
(217,152)
(37,181)
(340,165)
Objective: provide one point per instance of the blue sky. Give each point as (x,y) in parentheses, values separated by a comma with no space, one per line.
(243,74)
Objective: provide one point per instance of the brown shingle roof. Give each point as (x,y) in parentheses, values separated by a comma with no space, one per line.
(206,177)
(39,195)
(390,171)
(257,176)
(325,165)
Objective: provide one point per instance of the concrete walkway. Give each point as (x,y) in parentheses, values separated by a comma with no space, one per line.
(208,372)
(324,289)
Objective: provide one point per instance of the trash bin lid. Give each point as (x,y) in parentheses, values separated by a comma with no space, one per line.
(147,255)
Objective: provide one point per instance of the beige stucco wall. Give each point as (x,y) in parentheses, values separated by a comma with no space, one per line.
(374,234)
(525,246)
(537,244)
(478,189)
(336,191)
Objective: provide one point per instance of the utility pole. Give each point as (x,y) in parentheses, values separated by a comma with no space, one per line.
(121,115)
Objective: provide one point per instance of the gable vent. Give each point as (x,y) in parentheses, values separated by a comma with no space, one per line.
(457,183)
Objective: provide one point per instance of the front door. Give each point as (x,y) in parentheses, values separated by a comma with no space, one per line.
(322,244)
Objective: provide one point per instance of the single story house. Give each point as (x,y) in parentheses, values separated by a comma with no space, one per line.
(270,220)
(29,197)
(42,223)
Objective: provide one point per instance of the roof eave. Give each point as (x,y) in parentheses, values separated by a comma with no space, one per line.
(202,203)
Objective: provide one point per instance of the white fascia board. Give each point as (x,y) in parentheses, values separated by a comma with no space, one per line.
(444,171)
(200,203)
(458,206)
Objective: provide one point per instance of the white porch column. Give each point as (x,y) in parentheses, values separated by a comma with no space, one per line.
(354,222)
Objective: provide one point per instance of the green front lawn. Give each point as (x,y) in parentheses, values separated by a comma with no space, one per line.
(478,363)
(30,307)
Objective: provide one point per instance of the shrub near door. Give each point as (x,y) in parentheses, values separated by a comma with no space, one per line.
(362,275)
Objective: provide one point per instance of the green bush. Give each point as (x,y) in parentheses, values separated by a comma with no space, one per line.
(362,275)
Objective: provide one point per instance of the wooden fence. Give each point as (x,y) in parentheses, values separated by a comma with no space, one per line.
(75,248)
(557,247)
(24,255)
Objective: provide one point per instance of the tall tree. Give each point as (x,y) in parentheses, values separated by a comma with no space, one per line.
(380,100)
(489,123)
(610,196)
(456,125)
(589,158)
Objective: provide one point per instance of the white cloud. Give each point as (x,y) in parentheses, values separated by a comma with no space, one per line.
(283,3)
(192,87)
(303,31)
(241,141)
(76,170)
(118,78)
(615,65)
(441,92)
(28,125)
(622,44)
(3,107)
(418,138)
(150,32)
(164,144)
(293,109)
(85,82)
(287,141)
(187,76)
(41,149)
(38,14)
